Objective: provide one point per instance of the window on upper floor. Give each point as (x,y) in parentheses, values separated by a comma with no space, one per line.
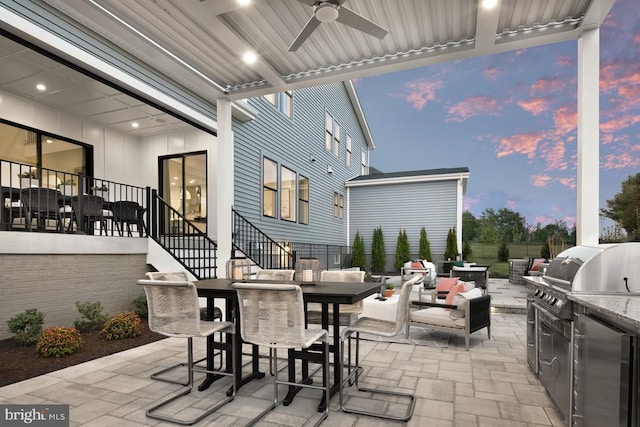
(348,153)
(288,195)
(303,200)
(332,135)
(283,101)
(269,187)
(338,205)
(363,163)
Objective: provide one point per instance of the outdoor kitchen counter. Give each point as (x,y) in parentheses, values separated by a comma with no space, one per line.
(623,308)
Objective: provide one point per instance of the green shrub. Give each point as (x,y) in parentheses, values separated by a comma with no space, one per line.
(467,253)
(425,246)
(58,342)
(27,326)
(503,252)
(451,251)
(141,309)
(378,256)
(121,325)
(92,316)
(403,252)
(357,255)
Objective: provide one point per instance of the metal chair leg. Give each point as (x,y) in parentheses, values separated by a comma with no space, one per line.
(354,374)
(152,412)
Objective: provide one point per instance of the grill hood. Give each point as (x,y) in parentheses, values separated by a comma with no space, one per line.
(611,268)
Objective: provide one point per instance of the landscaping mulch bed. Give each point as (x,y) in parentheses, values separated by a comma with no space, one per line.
(19,363)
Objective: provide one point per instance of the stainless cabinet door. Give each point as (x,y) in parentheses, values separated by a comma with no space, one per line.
(604,374)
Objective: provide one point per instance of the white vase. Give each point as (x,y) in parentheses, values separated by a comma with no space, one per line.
(29,182)
(68,190)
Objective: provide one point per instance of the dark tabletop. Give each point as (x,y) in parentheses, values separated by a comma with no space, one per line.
(322,292)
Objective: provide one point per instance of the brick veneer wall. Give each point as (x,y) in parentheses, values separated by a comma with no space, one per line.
(517,269)
(53,284)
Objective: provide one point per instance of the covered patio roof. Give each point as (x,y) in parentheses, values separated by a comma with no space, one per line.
(200,44)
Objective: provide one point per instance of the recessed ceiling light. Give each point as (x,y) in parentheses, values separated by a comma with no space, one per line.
(249,57)
(135,125)
(243,3)
(49,141)
(192,181)
(175,177)
(489,4)
(41,87)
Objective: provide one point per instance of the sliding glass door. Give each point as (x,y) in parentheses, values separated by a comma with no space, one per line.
(183,185)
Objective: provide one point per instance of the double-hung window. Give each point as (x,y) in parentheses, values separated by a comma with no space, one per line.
(269,187)
(332,135)
(348,153)
(303,200)
(338,205)
(363,163)
(288,194)
(283,101)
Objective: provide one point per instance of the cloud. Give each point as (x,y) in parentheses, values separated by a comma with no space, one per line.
(473,106)
(419,92)
(535,106)
(523,143)
(564,61)
(547,85)
(565,119)
(553,153)
(511,204)
(540,180)
(491,74)
(568,182)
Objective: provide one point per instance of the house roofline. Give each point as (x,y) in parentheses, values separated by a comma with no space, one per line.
(433,175)
(357,107)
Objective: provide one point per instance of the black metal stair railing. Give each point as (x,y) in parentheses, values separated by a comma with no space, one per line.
(190,246)
(260,248)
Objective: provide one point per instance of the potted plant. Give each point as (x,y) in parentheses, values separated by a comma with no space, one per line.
(100,190)
(390,290)
(28,179)
(67,187)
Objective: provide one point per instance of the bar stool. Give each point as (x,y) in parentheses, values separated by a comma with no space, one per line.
(272,315)
(382,328)
(174,311)
(181,276)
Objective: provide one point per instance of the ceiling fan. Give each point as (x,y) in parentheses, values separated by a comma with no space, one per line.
(330,11)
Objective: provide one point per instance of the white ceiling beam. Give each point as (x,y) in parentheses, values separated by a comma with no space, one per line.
(486,26)
(204,13)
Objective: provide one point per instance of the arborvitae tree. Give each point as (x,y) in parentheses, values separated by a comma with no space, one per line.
(425,246)
(403,252)
(378,257)
(451,250)
(503,252)
(357,252)
(467,253)
(545,251)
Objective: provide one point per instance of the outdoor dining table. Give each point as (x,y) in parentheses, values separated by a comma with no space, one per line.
(325,293)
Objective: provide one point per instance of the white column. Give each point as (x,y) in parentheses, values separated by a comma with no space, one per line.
(588,182)
(224,181)
(459,214)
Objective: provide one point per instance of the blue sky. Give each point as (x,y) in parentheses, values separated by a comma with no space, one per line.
(511,119)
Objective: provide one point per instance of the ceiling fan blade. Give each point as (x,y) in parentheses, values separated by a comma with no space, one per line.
(309,2)
(306,31)
(359,22)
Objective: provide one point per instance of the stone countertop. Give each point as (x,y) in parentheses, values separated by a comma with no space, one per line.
(624,308)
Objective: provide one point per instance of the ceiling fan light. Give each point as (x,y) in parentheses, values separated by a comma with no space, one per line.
(327,12)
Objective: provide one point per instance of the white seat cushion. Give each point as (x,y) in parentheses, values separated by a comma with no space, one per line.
(436,316)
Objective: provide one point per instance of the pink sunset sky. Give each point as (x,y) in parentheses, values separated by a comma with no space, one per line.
(511,119)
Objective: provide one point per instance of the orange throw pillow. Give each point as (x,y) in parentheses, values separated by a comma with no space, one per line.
(452,293)
(446,283)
